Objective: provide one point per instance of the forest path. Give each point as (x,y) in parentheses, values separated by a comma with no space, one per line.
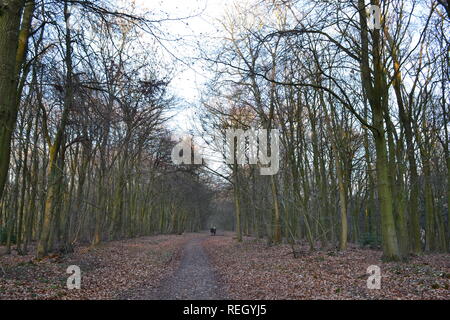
(193,280)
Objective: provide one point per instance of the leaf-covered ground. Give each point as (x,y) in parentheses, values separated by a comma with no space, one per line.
(109,271)
(132,269)
(252,270)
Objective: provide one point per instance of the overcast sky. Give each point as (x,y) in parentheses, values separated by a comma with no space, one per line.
(200,28)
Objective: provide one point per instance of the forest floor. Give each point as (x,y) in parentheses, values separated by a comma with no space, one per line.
(113,270)
(255,271)
(200,267)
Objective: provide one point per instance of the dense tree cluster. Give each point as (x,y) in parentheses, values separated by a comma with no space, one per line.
(363,115)
(83,111)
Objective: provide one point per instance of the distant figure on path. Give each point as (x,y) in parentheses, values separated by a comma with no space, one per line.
(213,231)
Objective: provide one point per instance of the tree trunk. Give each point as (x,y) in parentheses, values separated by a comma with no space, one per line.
(15,21)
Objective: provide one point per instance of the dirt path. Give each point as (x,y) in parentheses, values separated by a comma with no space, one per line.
(193,280)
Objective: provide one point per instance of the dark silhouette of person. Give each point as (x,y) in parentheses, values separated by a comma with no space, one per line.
(213,231)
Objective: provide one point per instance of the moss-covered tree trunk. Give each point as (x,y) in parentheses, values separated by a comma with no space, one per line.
(375,94)
(54,172)
(15,21)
